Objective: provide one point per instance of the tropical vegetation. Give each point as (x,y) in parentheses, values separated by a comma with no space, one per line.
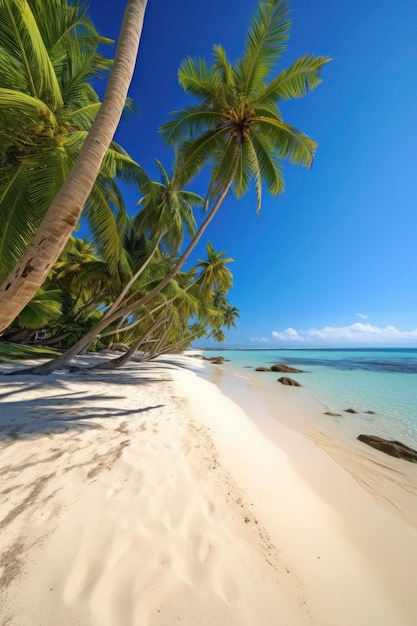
(127,287)
(42,54)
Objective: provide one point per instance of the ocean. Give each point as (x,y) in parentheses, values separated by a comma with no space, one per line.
(381,381)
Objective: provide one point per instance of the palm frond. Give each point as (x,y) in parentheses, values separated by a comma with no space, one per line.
(41,77)
(266,41)
(28,187)
(269,165)
(244,171)
(103,225)
(223,65)
(23,118)
(43,307)
(288,142)
(256,174)
(196,78)
(195,154)
(188,123)
(86,115)
(301,78)
(227,161)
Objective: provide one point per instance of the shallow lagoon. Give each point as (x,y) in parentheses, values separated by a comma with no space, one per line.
(380,380)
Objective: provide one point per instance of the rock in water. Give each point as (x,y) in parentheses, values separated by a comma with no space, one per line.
(351,411)
(394,448)
(333,414)
(281,367)
(263,369)
(288,381)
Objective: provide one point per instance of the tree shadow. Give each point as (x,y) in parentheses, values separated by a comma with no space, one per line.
(60,408)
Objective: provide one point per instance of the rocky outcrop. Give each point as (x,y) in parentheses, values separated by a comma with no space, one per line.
(281,367)
(393,448)
(217,360)
(284,380)
(333,414)
(263,369)
(351,411)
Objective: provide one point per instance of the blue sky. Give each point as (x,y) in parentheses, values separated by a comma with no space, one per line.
(333,261)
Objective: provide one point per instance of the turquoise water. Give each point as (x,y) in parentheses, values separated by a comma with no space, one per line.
(381,380)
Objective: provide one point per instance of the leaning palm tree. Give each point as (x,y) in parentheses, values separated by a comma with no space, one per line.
(238,127)
(57,225)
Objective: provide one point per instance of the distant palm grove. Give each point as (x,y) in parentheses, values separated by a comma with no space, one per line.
(124,287)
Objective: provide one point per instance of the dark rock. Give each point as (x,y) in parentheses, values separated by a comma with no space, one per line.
(370,412)
(263,369)
(281,367)
(394,448)
(333,414)
(351,411)
(288,381)
(217,361)
(248,366)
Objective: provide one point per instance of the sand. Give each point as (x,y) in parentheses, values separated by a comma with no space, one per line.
(146,496)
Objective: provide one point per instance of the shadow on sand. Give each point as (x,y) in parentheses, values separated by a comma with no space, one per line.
(60,408)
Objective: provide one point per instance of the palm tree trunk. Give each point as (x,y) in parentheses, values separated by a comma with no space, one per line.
(142,268)
(59,222)
(52,340)
(124,358)
(173,346)
(159,343)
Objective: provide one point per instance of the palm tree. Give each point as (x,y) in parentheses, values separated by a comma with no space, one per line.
(166,210)
(214,276)
(64,211)
(238,127)
(191,295)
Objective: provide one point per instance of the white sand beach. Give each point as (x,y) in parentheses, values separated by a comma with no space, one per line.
(146,497)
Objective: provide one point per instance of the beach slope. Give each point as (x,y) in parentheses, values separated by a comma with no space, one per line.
(145,496)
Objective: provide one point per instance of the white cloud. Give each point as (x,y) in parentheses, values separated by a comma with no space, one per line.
(288,334)
(259,339)
(362,316)
(358,334)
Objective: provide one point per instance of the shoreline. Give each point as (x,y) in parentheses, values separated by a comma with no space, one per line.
(392,481)
(147,496)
